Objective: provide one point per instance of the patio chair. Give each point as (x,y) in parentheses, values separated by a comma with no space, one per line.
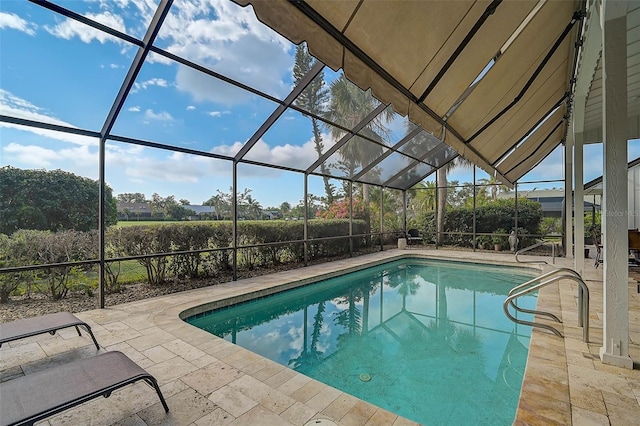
(597,243)
(634,246)
(36,396)
(414,237)
(49,323)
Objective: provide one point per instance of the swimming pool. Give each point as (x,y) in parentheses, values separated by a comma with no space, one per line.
(424,339)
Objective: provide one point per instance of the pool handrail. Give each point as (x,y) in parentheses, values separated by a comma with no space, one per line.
(583,303)
(545,275)
(537,279)
(531,247)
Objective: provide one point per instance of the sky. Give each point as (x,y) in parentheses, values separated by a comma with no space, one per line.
(60,71)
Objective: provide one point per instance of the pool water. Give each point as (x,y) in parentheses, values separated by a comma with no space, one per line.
(427,340)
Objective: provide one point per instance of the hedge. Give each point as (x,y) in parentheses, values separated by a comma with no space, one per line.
(212,242)
(497,215)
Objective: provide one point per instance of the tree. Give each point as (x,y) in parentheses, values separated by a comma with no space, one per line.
(313,99)
(221,203)
(349,106)
(129,197)
(421,200)
(254,209)
(169,208)
(246,206)
(494,185)
(51,200)
(285,208)
(442,193)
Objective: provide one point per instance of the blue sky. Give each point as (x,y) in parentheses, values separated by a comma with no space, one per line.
(63,72)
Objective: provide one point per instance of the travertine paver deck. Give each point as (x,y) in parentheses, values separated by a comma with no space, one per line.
(208,381)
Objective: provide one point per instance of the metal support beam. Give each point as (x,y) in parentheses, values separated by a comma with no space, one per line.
(568,198)
(304,82)
(373,114)
(132,74)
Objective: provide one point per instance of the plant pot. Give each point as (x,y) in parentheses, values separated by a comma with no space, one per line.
(402,243)
(497,247)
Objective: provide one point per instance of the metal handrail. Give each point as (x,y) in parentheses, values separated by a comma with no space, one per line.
(583,304)
(537,279)
(553,252)
(540,277)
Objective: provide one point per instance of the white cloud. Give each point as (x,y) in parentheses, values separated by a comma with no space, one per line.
(160,82)
(230,40)
(114,66)
(295,156)
(228,150)
(31,155)
(35,156)
(177,167)
(70,28)
(191,108)
(134,109)
(15,106)
(219,113)
(162,115)
(13,21)
(259,63)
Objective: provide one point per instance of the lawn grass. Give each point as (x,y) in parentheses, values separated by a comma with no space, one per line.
(131,271)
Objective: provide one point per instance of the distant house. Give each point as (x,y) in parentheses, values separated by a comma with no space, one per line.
(201,212)
(144,211)
(135,211)
(271,214)
(551,200)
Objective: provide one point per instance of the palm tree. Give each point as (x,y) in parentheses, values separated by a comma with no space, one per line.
(254,209)
(423,196)
(313,99)
(495,186)
(349,106)
(442,193)
(285,208)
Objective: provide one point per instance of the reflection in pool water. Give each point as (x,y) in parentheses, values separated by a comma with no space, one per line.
(426,340)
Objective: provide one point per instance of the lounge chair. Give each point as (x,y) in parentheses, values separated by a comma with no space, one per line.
(49,323)
(414,237)
(34,397)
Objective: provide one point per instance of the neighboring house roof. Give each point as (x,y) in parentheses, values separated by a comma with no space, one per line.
(138,208)
(200,209)
(594,187)
(134,207)
(552,200)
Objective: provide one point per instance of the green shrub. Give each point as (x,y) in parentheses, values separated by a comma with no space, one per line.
(44,247)
(14,251)
(500,237)
(498,214)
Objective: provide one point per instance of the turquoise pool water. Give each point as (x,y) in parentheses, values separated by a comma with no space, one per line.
(427,340)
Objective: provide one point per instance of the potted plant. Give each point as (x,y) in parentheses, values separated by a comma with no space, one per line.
(483,241)
(499,239)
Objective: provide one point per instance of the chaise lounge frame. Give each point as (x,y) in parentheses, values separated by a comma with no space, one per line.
(36,396)
(49,323)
